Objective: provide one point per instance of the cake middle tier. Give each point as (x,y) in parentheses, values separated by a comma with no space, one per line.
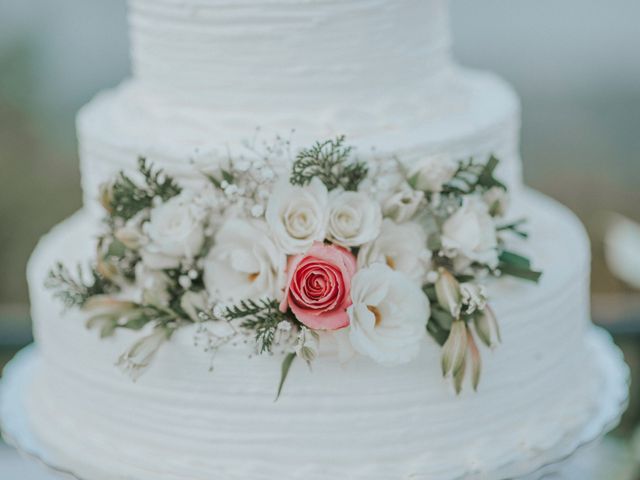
(475,116)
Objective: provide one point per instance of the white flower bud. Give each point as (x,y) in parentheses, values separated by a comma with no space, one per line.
(130,236)
(487,327)
(307,345)
(454,350)
(448,292)
(105,195)
(138,358)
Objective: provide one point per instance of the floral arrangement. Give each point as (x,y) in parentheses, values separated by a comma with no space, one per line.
(285,252)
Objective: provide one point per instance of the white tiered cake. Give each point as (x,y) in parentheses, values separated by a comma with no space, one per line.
(206,74)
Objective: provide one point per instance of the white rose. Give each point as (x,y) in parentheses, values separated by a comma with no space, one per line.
(354,218)
(471,232)
(388,317)
(402,205)
(175,233)
(244,263)
(297,216)
(431,173)
(402,247)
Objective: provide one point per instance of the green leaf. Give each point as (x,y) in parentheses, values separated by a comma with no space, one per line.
(516,265)
(486,179)
(515,259)
(442,317)
(519,272)
(514,227)
(286,366)
(216,183)
(116,249)
(438,333)
(227,176)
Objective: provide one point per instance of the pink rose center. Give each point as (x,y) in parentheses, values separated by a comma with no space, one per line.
(317,286)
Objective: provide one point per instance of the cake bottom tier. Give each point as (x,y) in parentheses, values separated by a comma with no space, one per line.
(357,421)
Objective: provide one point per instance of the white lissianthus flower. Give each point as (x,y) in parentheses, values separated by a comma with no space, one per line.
(432,173)
(244,263)
(297,216)
(403,247)
(471,232)
(388,317)
(403,204)
(175,233)
(354,218)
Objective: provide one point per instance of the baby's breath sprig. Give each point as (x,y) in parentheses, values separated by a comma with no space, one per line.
(262,318)
(331,162)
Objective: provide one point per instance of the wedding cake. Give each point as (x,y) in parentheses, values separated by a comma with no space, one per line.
(298,259)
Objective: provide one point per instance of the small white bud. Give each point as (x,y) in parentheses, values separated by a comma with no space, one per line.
(257,210)
(448,292)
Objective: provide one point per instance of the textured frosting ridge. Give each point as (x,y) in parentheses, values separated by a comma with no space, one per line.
(288,54)
(401,422)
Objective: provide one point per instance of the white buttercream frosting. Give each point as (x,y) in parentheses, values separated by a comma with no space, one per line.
(207,73)
(357,421)
(293,55)
(475,116)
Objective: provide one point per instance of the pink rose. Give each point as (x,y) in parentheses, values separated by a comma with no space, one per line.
(319,286)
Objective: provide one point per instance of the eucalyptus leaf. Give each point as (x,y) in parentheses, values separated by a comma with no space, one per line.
(520,272)
(286,366)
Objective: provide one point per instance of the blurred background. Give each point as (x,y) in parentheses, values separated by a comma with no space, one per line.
(575,63)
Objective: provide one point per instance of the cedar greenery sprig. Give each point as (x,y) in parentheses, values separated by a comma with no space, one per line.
(472,176)
(76,291)
(125,198)
(113,315)
(331,162)
(262,317)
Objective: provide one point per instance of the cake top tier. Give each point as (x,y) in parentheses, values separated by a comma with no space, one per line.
(288,54)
